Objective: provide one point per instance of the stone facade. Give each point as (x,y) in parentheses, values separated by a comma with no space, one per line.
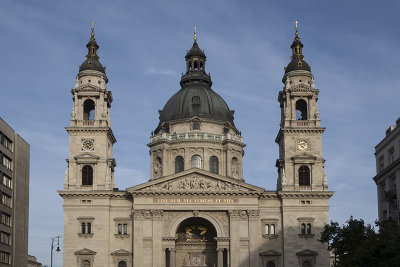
(196,209)
(387,179)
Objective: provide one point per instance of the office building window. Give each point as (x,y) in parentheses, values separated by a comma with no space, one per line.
(6,219)
(4,257)
(5,238)
(6,200)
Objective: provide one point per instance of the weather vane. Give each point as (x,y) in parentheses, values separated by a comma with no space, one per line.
(195,33)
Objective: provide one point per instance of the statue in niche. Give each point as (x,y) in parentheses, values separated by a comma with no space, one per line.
(235,168)
(157,167)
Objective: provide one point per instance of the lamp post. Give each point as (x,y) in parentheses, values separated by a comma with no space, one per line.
(53,239)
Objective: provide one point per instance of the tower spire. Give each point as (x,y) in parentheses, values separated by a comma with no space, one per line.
(297,46)
(195,34)
(92,46)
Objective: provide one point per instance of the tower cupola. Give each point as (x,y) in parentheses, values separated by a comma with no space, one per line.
(195,65)
(297,59)
(92,59)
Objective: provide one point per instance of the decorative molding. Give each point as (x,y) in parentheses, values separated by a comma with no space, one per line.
(253,214)
(86,236)
(122,236)
(234,214)
(196,183)
(85,251)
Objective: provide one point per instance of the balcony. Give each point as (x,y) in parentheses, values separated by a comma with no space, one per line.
(302,123)
(88,123)
(195,136)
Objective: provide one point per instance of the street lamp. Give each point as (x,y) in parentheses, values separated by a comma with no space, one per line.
(53,239)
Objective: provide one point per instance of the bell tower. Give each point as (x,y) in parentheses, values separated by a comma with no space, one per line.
(300,164)
(90,162)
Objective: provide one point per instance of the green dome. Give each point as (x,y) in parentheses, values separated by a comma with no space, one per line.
(196,98)
(197,101)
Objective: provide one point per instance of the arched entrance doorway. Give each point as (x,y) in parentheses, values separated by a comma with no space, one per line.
(195,245)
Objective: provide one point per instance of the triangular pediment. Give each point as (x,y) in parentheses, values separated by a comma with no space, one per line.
(86,155)
(85,251)
(195,180)
(304,156)
(121,252)
(270,253)
(307,252)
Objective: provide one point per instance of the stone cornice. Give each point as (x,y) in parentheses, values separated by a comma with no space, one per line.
(91,193)
(308,194)
(91,129)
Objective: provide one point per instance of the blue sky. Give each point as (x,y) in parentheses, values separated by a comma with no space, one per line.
(352,47)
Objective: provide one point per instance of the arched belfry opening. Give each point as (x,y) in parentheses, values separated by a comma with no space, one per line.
(88,110)
(301,110)
(195,243)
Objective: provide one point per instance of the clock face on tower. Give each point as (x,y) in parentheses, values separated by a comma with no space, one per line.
(87,144)
(302,145)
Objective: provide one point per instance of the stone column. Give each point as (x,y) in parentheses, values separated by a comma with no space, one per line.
(234,231)
(138,237)
(220,257)
(172,257)
(157,215)
(163,258)
(253,236)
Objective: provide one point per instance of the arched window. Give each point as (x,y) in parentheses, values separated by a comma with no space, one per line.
(301,110)
(196,162)
(214,165)
(195,66)
(87,175)
(85,264)
(122,264)
(266,229)
(271,264)
(272,231)
(307,264)
(309,228)
(88,110)
(304,175)
(179,164)
(303,228)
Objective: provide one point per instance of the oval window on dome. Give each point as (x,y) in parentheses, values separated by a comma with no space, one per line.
(196,126)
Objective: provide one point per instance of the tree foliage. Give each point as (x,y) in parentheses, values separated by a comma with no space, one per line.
(355,244)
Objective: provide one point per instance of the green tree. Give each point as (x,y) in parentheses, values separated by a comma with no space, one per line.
(355,244)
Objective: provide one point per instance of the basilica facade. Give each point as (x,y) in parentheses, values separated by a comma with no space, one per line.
(196,209)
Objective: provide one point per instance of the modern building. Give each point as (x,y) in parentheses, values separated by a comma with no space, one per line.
(14,190)
(196,209)
(387,179)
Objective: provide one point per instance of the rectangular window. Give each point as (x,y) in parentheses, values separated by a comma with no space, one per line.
(391,157)
(5,238)
(6,200)
(381,164)
(7,143)
(89,228)
(6,219)
(4,257)
(119,229)
(7,181)
(7,162)
(125,229)
(83,228)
